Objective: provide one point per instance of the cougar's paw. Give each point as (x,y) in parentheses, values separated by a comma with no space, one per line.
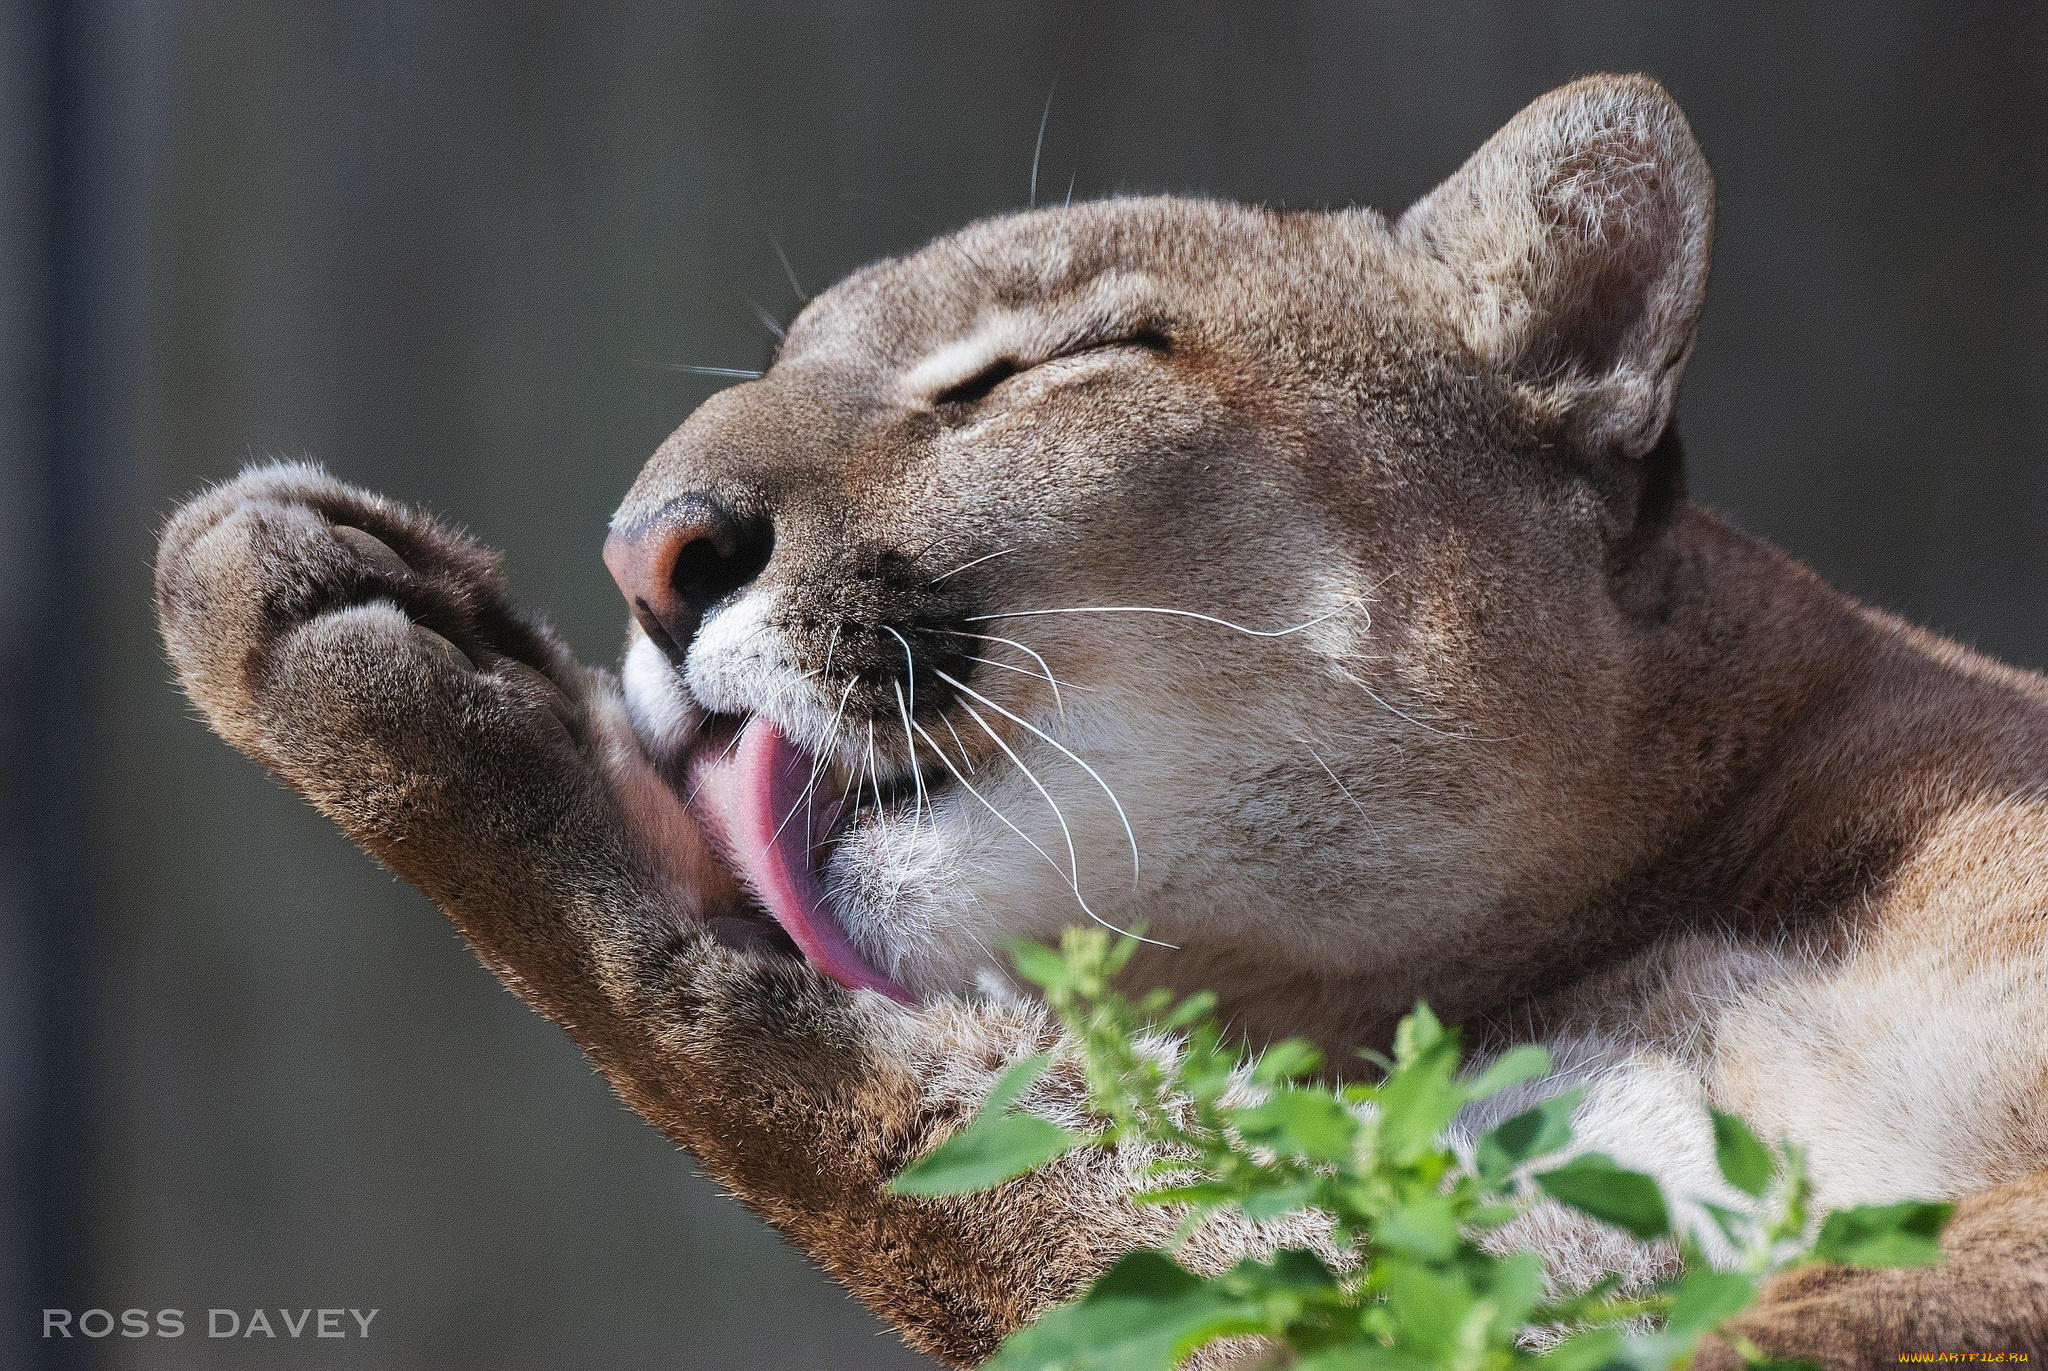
(367,654)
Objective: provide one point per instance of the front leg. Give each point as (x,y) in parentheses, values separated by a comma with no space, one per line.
(366,655)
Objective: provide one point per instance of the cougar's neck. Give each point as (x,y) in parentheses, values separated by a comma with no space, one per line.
(1792,747)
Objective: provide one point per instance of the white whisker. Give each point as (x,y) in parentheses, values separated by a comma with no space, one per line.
(1071,756)
(1023,671)
(976,562)
(1039,146)
(1051,680)
(1179,614)
(873,774)
(802,802)
(916,774)
(1370,827)
(910,669)
(787,270)
(847,793)
(825,747)
(768,321)
(1073,858)
(1375,697)
(831,644)
(1075,881)
(948,761)
(735,373)
(948,722)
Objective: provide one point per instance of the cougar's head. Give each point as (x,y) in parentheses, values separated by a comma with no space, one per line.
(1244,575)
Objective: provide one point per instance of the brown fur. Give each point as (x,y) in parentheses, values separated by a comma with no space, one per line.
(1613,776)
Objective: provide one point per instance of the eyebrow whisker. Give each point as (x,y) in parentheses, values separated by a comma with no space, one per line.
(733,373)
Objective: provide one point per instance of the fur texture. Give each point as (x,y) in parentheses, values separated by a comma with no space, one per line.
(1318,591)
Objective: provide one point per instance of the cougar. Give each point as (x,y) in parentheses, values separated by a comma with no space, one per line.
(1313,590)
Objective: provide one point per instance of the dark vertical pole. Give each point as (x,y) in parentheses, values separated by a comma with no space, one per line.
(42,906)
(70,160)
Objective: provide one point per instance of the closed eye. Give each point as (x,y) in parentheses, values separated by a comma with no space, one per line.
(977,387)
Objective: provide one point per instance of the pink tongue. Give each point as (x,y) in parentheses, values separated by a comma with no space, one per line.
(748,798)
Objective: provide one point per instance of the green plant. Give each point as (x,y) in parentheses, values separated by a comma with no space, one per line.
(1411,1287)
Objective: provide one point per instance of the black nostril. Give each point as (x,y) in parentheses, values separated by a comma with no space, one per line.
(675,566)
(726,554)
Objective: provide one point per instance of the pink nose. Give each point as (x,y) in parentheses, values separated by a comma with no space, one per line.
(674,567)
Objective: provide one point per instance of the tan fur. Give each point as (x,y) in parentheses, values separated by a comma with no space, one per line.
(1517,730)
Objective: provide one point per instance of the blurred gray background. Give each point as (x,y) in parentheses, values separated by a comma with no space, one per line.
(437,246)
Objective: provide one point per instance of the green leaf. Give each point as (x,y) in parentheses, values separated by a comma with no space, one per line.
(1270,1202)
(995,1146)
(1416,1034)
(1704,1297)
(1145,1314)
(1745,1162)
(1363,1356)
(1041,966)
(1528,1135)
(1594,1184)
(1513,1288)
(1426,1229)
(1196,1006)
(1293,1269)
(1286,1060)
(1518,1064)
(1094,944)
(1420,1098)
(1732,1223)
(986,1154)
(1301,1123)
(1589,1351)
(1431,1306)
(1905,1234)
(1201,1193)
(1011,1085)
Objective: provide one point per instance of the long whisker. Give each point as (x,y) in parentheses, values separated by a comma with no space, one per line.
(831,644)
(802,802)
(873,774)
(910,670)
(1375,697)
(1370,826)
(829,746)
(1022,671)
(1005,819)
(976,562)
(1071,756)
(768,321)
(735,373)
(1039,146)
(948,722)
(848,792)
(1050,679)
(1178,614)
(1075,881)
(818,763)
(1073,858)
(788,270)
(986,803)
(916,773)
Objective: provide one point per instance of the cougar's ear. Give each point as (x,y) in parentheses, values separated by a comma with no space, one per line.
(1577,242)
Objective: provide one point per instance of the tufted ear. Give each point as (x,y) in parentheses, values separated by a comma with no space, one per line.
(1577,241)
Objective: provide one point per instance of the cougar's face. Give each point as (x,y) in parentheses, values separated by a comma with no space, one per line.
(1142,562)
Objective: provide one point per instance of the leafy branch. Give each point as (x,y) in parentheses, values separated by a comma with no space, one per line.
(1404,1280)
